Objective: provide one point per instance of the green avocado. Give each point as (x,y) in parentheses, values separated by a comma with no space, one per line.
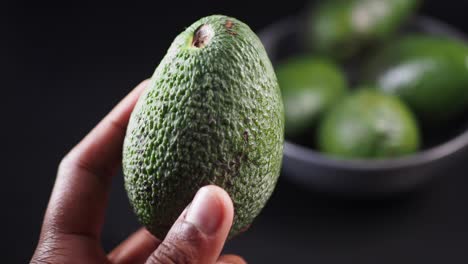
(212,114)
(341,28)
(370,125)
(430,74)
(309,87)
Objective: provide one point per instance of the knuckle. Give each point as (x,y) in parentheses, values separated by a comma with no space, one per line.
(117,125)
(168,254)
(65,163)
(174,253)
(71,163)
(75,162)
(182,245)
(49,249)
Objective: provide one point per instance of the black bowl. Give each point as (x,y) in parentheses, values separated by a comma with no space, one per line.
(311,169)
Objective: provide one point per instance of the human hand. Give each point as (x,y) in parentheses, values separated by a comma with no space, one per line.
(75,214)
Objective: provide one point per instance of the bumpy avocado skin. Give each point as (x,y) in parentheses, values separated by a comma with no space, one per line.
(211,115)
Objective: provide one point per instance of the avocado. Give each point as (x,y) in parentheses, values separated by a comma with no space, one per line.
(342,28)
(429,73)
(309,86)
(212,114)
(370,125)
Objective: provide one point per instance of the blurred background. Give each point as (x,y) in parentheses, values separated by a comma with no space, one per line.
(64,65)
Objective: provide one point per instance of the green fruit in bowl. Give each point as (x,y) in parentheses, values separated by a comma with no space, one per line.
(341,28)
(369,125)
(309,86)
(429,73)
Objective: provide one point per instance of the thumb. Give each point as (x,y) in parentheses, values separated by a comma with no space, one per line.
(199,234)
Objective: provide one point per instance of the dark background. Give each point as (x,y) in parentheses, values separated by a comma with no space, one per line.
(63,67)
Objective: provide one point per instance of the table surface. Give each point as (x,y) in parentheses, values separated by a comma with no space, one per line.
(66,66)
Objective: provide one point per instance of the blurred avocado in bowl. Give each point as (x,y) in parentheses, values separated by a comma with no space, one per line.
(310,86)
(369,125)
(385,144)
(429,73)
(342,28)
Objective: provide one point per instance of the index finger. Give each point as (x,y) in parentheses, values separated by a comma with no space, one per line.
(81,189)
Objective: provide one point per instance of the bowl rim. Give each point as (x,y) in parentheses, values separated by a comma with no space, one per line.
(442,150)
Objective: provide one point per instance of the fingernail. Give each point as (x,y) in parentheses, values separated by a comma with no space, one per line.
(205,212)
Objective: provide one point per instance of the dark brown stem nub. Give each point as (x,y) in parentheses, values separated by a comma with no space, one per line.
(202,36)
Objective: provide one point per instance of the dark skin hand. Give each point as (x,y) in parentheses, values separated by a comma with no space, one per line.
(75,214)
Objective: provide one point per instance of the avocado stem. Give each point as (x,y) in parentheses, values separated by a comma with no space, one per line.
(202,36)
